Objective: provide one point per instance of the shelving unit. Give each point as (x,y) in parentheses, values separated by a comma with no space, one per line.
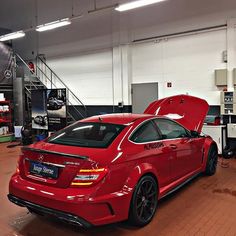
(228,103)
(6,125)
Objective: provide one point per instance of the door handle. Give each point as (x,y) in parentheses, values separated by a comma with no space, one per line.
(173,146)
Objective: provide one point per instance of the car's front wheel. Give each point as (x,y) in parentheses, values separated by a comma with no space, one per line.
(144,201)
(212,160)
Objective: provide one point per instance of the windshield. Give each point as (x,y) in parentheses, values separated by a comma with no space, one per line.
(94,135)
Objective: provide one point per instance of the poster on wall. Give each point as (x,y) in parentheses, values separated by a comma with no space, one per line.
(39,109)
(6,64)
(56,109)
(49,109)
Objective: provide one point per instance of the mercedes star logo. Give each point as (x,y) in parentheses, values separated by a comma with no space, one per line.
(41,157)
(8,74)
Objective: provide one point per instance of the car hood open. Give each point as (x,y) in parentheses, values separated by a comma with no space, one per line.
(187,110)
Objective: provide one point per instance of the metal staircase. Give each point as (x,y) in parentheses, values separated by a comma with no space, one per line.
(45,78)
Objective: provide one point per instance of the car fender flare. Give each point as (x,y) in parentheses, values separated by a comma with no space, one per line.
(208,143)
(137,173)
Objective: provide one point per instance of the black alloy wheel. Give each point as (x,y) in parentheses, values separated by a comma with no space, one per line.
(144,201)
(212,161)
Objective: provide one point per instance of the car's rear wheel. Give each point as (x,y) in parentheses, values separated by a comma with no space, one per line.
(144,201)
(212,160)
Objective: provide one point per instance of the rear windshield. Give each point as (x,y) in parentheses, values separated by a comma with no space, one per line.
(93,135)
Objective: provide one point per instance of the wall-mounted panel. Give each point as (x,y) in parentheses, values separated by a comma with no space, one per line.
(221,77)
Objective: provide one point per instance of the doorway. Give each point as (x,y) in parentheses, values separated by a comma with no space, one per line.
(142,95)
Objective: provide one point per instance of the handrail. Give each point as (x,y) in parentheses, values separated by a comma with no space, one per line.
(27,66)
(28,91)
(45,74)
(69,102)
(78,112)
(63,83)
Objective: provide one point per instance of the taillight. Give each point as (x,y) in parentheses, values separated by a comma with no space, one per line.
(17,165)
(17,170)
(87,177)
(21,156)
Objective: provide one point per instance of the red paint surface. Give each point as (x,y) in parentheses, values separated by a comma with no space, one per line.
(126,162)
(190,111)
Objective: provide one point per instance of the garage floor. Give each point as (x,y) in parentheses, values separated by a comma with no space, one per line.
(206,206)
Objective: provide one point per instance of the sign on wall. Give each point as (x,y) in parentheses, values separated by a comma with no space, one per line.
(56,109)
(6,64)
(49,109)
(39,109)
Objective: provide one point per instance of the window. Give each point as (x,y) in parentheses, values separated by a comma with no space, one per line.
(146,133)
(93,135)
(170,129)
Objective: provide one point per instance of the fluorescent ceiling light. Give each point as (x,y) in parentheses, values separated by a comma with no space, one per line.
(136,4)
(53,25)
(15,35)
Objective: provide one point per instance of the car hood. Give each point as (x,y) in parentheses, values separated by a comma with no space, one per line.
(187,110)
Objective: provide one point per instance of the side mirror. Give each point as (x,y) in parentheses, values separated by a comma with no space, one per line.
(194,134)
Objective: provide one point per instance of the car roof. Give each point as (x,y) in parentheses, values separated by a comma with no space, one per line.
(118,118)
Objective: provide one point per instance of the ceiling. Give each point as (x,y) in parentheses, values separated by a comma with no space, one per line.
(109,27)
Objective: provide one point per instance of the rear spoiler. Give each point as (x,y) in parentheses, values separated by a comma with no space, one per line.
(52,152)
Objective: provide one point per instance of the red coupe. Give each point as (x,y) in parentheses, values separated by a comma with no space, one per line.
(115,167)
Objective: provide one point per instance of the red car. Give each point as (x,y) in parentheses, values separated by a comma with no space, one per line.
(115,167)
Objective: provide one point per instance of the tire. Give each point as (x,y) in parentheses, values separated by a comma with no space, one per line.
(212,159)
(144,201)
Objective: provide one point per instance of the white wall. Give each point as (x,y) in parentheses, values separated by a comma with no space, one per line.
(95,53)
(89,76)
(188,62)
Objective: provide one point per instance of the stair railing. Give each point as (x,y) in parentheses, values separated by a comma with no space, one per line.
(53,85)
(55,81)
(50,79)
(31,72)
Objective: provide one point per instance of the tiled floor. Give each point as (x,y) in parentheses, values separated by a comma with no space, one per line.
(206,206)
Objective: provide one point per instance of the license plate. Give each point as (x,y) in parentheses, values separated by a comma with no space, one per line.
(43,170)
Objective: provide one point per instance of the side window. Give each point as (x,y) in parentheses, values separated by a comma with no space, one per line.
(170,129)
(146,133)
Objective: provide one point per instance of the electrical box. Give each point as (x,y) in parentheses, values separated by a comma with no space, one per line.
(234,76)
(231,130)
(228,103)
(227,97)
(221,77)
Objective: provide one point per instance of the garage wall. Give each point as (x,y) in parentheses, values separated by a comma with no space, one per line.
(89,76)
(97,50)
(188,62)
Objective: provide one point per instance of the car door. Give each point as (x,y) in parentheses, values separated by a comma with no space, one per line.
(149,149)
(179,143)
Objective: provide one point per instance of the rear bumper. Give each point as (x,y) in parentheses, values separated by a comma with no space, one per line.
(84,205)
(64,216)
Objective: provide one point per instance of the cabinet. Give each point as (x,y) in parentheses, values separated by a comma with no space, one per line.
(5,121)
(218,133)
(228,103)
(231,130)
